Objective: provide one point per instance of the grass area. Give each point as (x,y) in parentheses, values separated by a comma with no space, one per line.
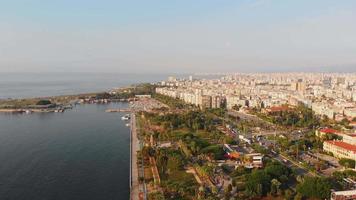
(181,175)
(180,185)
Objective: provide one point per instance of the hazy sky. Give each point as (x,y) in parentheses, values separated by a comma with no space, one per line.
(177,35)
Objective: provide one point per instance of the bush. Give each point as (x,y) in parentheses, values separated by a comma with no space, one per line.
(43,102)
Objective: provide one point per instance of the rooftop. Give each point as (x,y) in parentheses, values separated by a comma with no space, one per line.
(328,130)
(347,192)
(278,108)
(343,145)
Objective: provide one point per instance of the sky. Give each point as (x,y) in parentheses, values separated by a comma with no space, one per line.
(177,36)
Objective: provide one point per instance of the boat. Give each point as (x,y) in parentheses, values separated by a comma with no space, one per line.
(125,117)
(127,124)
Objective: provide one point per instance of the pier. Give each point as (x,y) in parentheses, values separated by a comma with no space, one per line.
(119,110)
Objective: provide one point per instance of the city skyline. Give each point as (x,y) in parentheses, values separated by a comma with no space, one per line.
(178,36)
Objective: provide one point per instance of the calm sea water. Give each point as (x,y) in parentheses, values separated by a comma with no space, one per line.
(80,154)
(24,85)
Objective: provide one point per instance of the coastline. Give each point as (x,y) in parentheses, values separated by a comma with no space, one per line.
(62,102)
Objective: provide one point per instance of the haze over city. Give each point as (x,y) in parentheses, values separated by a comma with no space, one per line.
(177,36)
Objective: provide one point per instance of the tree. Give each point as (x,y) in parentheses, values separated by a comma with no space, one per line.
(257,184)
(345,122)
(214,150)
(315,187)
(229,188)
(43,102)
(278,171)
(288,194)
(347,163)
(104,95)
(298,197)
(156,196)
(275,184)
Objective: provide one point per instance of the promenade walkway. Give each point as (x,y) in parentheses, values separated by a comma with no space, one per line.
(134,147)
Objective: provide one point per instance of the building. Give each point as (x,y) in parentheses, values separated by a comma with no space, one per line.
(205,102)
(344,195)
(277,109)
(349,138)
(350,112)
(231,153)
(216,101)
(325,131)
(231,101)
(298,86)
(323,109)
(257,160)
(340,149)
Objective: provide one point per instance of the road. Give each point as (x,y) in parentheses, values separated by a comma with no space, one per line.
(300,169)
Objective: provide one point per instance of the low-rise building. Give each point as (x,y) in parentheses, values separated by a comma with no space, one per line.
(340,149)
(254,160)
(325,131)
(231,153)
(344,195)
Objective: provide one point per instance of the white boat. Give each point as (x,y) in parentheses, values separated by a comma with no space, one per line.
(126,117)
(127,124)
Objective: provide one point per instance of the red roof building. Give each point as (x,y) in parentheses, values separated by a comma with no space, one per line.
(324,131)
(340,149)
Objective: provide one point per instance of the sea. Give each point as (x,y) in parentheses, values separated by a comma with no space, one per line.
(27,85)
(81,154)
